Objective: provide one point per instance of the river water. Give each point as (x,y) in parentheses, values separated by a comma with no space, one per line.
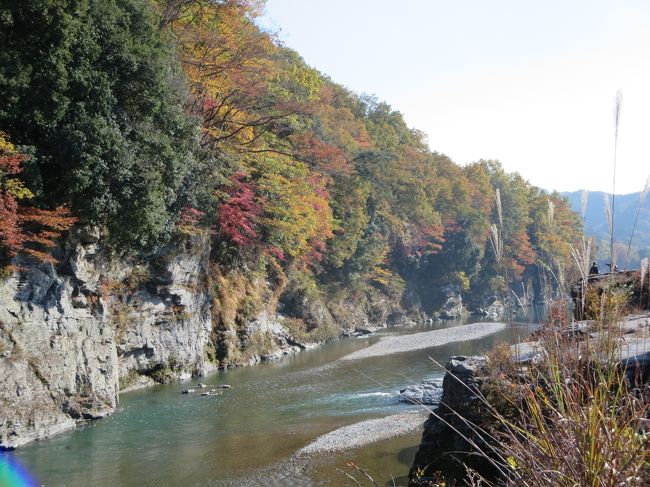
(247,435)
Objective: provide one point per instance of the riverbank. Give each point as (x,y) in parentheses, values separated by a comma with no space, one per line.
(573,386)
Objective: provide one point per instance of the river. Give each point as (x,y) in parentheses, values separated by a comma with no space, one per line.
(247,435)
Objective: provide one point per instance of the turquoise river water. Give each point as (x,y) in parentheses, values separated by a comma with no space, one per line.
(248,434)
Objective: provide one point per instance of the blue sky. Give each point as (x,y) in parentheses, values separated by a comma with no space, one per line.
(530,83)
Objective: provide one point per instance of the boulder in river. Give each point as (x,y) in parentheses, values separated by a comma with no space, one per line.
(428,392)
(365,330)
(211,392)
(452,307)
(495,310)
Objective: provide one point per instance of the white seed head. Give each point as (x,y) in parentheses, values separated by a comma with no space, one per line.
(499,209)
(583,200)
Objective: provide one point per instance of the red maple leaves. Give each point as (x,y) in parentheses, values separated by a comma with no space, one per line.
(238,214)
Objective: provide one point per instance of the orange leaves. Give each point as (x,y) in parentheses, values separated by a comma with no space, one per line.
(320,155)
(10,160)
(226,59)
(522,249)
(520,254)
(11,163)
(428,239)
(11,237)
(41,228)
(25,229)
(57,220)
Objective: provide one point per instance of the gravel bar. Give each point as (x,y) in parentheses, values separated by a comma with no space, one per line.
(417,341)
(365,432)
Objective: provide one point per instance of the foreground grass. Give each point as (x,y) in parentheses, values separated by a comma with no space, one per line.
(575,419)
(570,416)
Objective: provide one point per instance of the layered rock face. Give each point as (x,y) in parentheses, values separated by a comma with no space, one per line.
(65,346)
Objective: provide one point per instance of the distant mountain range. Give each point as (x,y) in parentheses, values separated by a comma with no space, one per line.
(625,210)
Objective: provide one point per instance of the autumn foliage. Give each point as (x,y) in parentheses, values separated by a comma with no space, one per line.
(25,229)
(239,212)
(185,115)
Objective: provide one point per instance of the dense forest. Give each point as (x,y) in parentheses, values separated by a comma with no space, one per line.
(157,120)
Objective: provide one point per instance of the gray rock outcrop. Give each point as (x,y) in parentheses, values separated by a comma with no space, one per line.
(71,335)
(452,308)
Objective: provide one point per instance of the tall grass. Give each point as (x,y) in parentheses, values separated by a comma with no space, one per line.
(570,417)
(643,272)
(642,198)
(582,259)
(578,421)
(618,101)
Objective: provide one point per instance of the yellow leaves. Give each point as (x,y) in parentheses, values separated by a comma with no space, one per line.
(234,124)
(11,163)
(17,189)
(5,144)
(463,280)
(381,276)
(226,58)
(295,204)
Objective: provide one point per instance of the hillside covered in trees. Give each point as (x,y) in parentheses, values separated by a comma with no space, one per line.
(156,120)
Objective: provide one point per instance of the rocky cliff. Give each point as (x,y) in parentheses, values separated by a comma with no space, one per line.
(70,335)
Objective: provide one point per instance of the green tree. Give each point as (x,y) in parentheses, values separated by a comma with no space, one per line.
(99,94)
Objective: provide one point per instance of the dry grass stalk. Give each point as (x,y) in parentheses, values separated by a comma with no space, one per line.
(608,213)
(579,422)
(582,258)
(644,268)
(642,198)
(499,208)
(646,188)
(353,466)
(618,101)
(497,243)
(569,418)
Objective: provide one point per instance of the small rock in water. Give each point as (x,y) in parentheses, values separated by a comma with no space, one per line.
(187,391)
(225,386)
(200,385)
(211,392)
(365,330)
